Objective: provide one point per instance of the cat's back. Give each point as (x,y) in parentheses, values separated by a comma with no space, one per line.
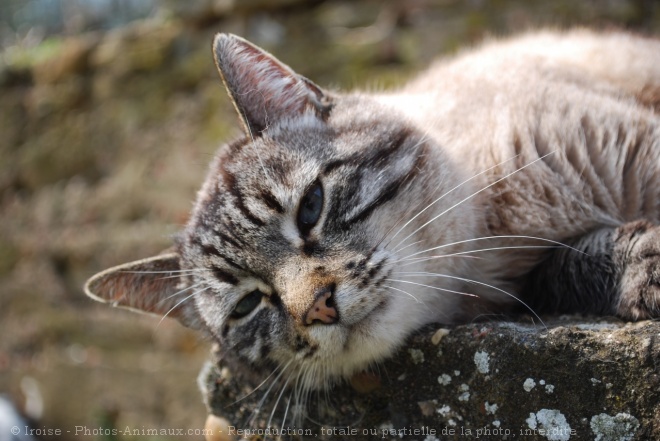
(610,60)
(587,100)
(535,73)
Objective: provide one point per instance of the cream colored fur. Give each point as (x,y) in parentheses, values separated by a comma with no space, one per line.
(578,97)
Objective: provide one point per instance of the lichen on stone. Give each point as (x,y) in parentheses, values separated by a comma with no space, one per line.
(482,361)
(529,384)
(621,427)
(490,408)
(444,379)
(550,423)
(416,355)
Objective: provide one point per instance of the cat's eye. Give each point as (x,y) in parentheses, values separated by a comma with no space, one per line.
(247,304)
(310,208)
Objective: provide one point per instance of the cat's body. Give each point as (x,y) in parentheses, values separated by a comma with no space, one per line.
(342,222)
(585,100)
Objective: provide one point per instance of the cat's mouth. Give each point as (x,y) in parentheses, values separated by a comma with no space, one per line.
(363,327)
(343,350)
(380,306)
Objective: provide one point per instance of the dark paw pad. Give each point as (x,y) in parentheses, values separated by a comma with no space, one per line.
(637,247)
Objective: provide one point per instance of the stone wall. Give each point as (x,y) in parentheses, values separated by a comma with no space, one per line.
(572,378)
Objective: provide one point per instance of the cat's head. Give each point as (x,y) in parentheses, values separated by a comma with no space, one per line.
(295,253)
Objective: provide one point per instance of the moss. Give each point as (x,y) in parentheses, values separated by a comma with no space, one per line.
(19,57)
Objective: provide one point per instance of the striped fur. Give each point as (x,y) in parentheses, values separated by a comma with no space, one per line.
(462,182)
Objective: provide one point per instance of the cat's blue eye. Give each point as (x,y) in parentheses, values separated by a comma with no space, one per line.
(247,304)
(310,208)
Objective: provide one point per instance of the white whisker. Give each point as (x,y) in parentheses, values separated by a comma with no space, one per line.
(163,272)
(426,274)
(442,197)
(413,260)
(304,383)
(179,292)
(489,238)
(434,287)
(470,197)
(174,277)
(172,274)
(277,402)
(253,143)
(256,411)
(286,409)
(299,386)
(300,390)
(423,140)
(180,303)
(259,386)
(309,379)
(409,245)
(405,292)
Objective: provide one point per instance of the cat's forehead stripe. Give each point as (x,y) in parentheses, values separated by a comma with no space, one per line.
(373,156)
(211,250)
(396,174)
(224,276)
(231,184)
(226,240)
(270,200)
(334,164)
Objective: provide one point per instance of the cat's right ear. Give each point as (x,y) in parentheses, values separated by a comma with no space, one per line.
(152,285)
(263,89)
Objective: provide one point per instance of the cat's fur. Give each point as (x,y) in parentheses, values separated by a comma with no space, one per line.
(549,137)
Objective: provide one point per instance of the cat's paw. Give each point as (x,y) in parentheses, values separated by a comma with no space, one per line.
(637,246)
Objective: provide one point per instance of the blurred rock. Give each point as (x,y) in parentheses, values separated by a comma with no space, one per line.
(261,5)
(8,255)
(67,94)
(140,47)
(203,12)
(57,152)
(71,59)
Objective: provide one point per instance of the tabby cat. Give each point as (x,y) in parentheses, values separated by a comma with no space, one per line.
(341,222)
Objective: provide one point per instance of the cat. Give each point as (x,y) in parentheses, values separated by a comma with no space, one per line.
(523,174)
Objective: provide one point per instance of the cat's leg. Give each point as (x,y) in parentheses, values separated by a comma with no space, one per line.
(638,250)
(615,271)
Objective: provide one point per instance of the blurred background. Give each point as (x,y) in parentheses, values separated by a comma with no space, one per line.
(110,111)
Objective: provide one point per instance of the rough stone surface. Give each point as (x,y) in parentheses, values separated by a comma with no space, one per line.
(594,380)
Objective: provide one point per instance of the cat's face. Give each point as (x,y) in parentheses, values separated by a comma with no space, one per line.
(294,254)
(290,231)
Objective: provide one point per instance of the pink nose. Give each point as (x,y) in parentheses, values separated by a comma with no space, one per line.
(323,309)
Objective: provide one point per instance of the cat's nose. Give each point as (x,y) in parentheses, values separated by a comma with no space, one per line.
(323,310)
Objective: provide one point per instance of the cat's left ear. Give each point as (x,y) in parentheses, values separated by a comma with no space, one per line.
(263,89)
(152,285)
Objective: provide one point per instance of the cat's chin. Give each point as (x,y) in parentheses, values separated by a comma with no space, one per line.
(348,350)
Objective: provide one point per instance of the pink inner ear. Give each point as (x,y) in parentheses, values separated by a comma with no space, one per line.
(151,285)
(144,285)
(278,87)
(263,89)
(146,292)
